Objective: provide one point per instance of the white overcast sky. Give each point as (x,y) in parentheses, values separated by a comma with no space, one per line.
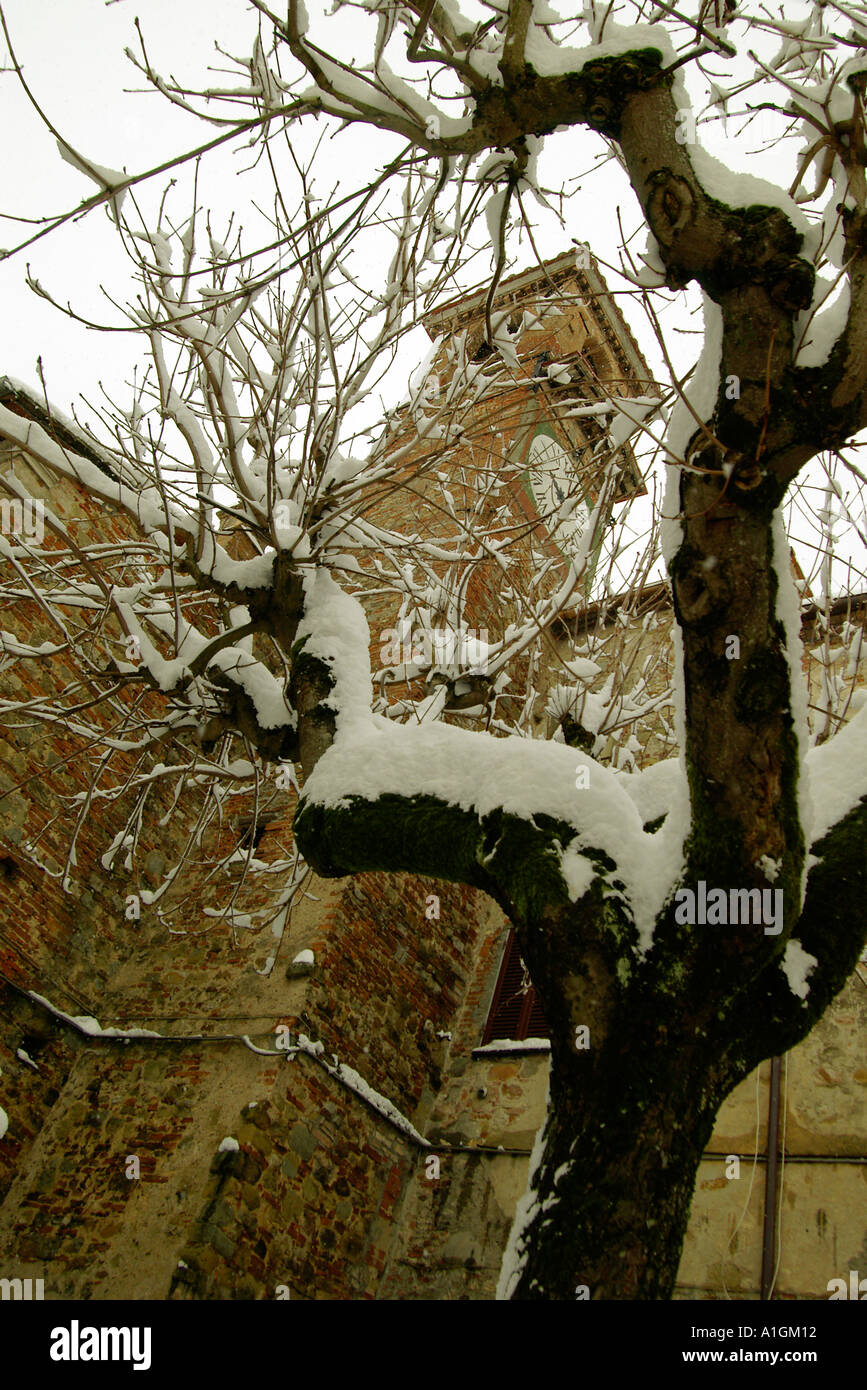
(72,54)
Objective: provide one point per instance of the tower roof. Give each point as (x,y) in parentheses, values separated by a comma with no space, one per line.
(542,279)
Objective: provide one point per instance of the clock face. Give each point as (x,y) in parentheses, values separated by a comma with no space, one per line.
(554,482)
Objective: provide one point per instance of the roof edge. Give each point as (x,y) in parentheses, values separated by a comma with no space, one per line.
(14,395)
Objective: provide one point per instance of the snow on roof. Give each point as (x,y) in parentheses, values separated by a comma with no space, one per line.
(53,420)
(539,277)
(85,1023)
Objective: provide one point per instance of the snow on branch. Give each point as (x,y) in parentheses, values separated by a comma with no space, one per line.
(837,774)
(521,777)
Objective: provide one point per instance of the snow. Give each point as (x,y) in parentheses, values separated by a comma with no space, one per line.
(105,179)
(703,387)
(559,372)
(228,1145)
(257,573)
(701,391)
(513,1045)
(373,757)
(582,668)
(240,767)
(740,190)
(544,14)
(35,394)
(339,469)
(142,502)
(577,871)
(418,377)
(85,1023)
(494,210)
(553,59)
(597,408)
(337,632)
(735,189)
(825,327)
(495,165)
(654,273)
(304,958)
(789,614)
(13,646)
(504,339)
(355,1082)
(771,868)
(4,1122)
(514,1255)
(629,414)
(657,788)
(264,689)
(836,775)
(796,965)
(350,92)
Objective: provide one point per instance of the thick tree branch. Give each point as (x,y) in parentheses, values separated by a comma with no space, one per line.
(768,1018)
(238,716)
(511,859)
(520,17)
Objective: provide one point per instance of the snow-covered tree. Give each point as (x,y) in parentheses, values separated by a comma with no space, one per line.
(686,920)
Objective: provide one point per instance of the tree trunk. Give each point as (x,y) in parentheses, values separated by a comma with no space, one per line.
(613,1190)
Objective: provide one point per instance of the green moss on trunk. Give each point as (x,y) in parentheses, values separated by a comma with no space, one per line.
(615,1185)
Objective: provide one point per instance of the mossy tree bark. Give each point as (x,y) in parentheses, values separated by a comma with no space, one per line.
(612,1194)
(632,1109)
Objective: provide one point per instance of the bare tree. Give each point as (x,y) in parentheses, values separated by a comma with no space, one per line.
(679,923)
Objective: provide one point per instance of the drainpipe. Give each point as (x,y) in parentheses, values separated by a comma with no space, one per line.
(772,1183)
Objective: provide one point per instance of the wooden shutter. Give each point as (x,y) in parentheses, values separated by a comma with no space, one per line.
(515,1010)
